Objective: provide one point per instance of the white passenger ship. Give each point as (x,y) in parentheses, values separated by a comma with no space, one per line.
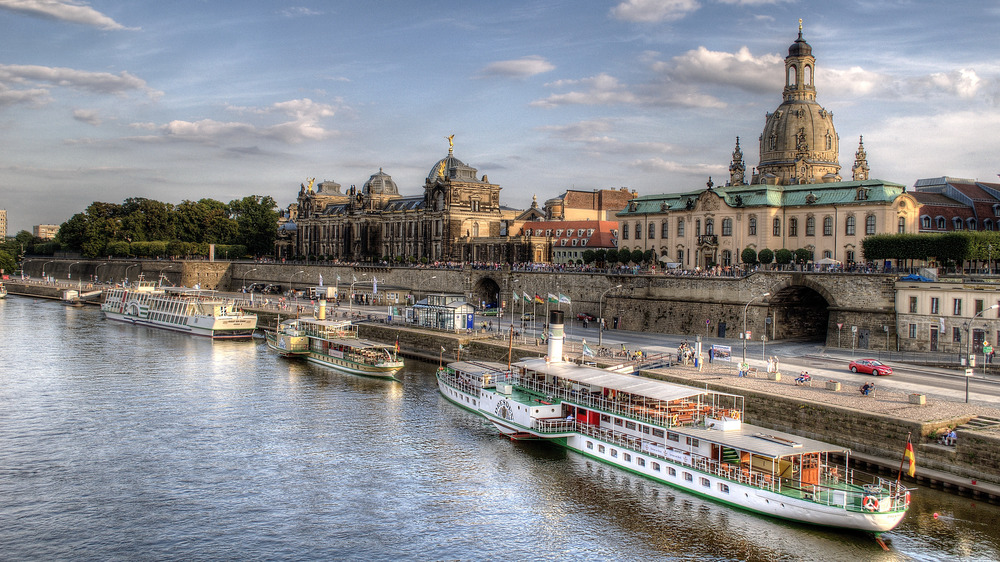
(191,311)
(335,344)
(678,435)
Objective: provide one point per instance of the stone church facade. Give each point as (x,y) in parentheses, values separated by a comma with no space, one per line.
(794,199)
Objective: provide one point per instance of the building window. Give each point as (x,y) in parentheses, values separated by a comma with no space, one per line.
(901,225)
(638,231)
(709,227)
(652,231)
(727,258)
(727,227)
(935,305)
(987,224)
(624,231)
(913,331)
(810,226)
(940,223)
(849,226)
(752,226)
(664,229)
(913,305)
(869,225)
(777,227)
(956,334)
(925,222)
(956,223)
(970,223)
(680,256)
(680,228)
(979,306)
(827,226)
(793,227)
(957,307)
(850,256)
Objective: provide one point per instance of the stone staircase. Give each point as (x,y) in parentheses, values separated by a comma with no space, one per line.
(980,422)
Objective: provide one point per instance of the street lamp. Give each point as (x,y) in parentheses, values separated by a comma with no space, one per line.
(130,267)
(745,308)
(968,348)
(600,314)
(43,268)
(245,277)
(69,274)
(292,276)
(97,272)
(351,304)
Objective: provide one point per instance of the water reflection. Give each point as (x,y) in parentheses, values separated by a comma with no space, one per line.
(126,442)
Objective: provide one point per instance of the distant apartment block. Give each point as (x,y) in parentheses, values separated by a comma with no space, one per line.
(45,231)
(3,223)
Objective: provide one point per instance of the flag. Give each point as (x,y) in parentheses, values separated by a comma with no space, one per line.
(374,286)
(320,279)
(908,454)
(553,299)
(539,299)
(527,297)
(517,297)
(564,299)
(397,344)
(338,279)
(587,352)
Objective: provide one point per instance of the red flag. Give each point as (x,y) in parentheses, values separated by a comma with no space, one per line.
(908,454)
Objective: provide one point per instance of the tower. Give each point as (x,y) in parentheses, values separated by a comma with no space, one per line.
(799,143)
(860,162)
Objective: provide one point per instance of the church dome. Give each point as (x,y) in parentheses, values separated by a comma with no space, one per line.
(442,167)
(800,48)
(380,184)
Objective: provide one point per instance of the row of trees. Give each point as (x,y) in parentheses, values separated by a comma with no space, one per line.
(147,228)
(613,256)
(781,257)
(947,248)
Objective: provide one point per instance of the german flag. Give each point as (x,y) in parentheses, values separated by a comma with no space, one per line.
(539,299)
(908,455)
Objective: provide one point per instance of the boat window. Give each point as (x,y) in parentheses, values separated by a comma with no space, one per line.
(706,482)
(645,428)
(627,457)
(600,448)
(671,471)
(688,477)
(629,425)
(618,421)
(671,436)
(724,488)
(640,461)
(590,444)
(656,466)
(605,418)
(657,432)
(614,453)
(692,442)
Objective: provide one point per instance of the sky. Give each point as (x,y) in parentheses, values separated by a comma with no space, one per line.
(187,99)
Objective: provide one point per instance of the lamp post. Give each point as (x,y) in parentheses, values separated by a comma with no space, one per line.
(600,314)
(745,309)
(351,305)
(245,278)
(968,348)
(130,267)
(291,277)
(43,268)
(69,273)
(97,272)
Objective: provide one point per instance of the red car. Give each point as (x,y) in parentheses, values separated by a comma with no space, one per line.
(584,317)
(870,367)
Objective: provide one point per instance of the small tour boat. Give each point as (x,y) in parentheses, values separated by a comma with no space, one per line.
(681,436)
(192,311)
(336,344)
(3,291)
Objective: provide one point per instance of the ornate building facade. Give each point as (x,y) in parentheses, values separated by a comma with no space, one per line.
(795,199)
(376,222)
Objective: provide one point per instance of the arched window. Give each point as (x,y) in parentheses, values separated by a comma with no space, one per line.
(996,210)
(925,222)
(652,231)
(710,226)
(727,227)
(475,229)
(869,225)
(807,79)
(791,76)
(827,226)
(849,226)
(901,225)
(829,141)
(638,231)
(956,223)
(827,254)
(793,227)
(680,228)
(810,226)
(624,231)
(752,226)
(776,229)
(850,256)
(664,229)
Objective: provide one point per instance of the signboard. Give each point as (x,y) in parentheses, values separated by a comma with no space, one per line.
(968,372)
(840,325)
(722,353)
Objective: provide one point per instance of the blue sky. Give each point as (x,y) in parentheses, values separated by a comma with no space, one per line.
(104,100)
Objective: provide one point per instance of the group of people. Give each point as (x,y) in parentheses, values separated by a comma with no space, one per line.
(772,364)
(867,388)
(803,378)
(949,438)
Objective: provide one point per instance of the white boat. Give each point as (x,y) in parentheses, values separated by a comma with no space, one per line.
(335,344)
(191,311)
(3,291)
(682,436)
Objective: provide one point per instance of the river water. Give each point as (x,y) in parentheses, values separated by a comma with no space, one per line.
(129,443)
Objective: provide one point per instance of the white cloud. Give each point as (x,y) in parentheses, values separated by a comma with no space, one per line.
(88,116)
(519,68)
(670,166)
(36,96)
(304,126)
(96,82)
(75,12)
(741,69)
(602,89)
(652,11)
(299,11)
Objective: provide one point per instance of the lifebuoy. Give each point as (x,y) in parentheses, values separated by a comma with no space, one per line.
(870,503)
(735,414)
(673,419)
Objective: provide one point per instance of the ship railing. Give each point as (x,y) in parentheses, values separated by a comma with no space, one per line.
(452,379)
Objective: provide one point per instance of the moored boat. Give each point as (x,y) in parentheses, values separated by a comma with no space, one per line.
(688,438)
(191,311)
(335,344)
(3,291)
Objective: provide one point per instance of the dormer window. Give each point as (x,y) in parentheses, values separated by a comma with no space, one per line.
(562,242)
(583,242)
(590,232)
(862,194)
(548,232)
(940,223)
(970,223)
(559,232)
(956,223)
(925,222)
(580,232)
(996,210)
(575,241)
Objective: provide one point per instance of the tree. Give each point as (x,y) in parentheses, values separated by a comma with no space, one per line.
(636,256)
(748,256)
(649,256)
(611,256)
(783,256)
(588,256)
(73,233)
(601,256)
(7,263)
(803,255)
(146,219)
(257,221)
(765,256)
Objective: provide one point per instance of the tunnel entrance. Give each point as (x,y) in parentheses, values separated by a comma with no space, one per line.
(486,295)
(797,313)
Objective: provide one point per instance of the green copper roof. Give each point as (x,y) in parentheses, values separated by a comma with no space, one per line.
(761,195)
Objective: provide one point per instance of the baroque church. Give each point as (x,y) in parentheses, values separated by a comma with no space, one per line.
(794,199)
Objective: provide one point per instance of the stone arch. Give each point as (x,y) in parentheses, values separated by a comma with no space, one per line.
(486,290)
(799,308)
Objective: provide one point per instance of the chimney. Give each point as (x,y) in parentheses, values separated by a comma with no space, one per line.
(555,336)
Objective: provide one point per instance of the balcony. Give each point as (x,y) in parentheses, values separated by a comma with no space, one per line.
(708,240)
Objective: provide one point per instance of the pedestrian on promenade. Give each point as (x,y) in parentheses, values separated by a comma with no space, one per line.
(711,354)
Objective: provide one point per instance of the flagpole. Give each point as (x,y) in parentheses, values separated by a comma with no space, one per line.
(899,476)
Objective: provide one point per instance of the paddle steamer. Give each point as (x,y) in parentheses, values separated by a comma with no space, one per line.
(681,436)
